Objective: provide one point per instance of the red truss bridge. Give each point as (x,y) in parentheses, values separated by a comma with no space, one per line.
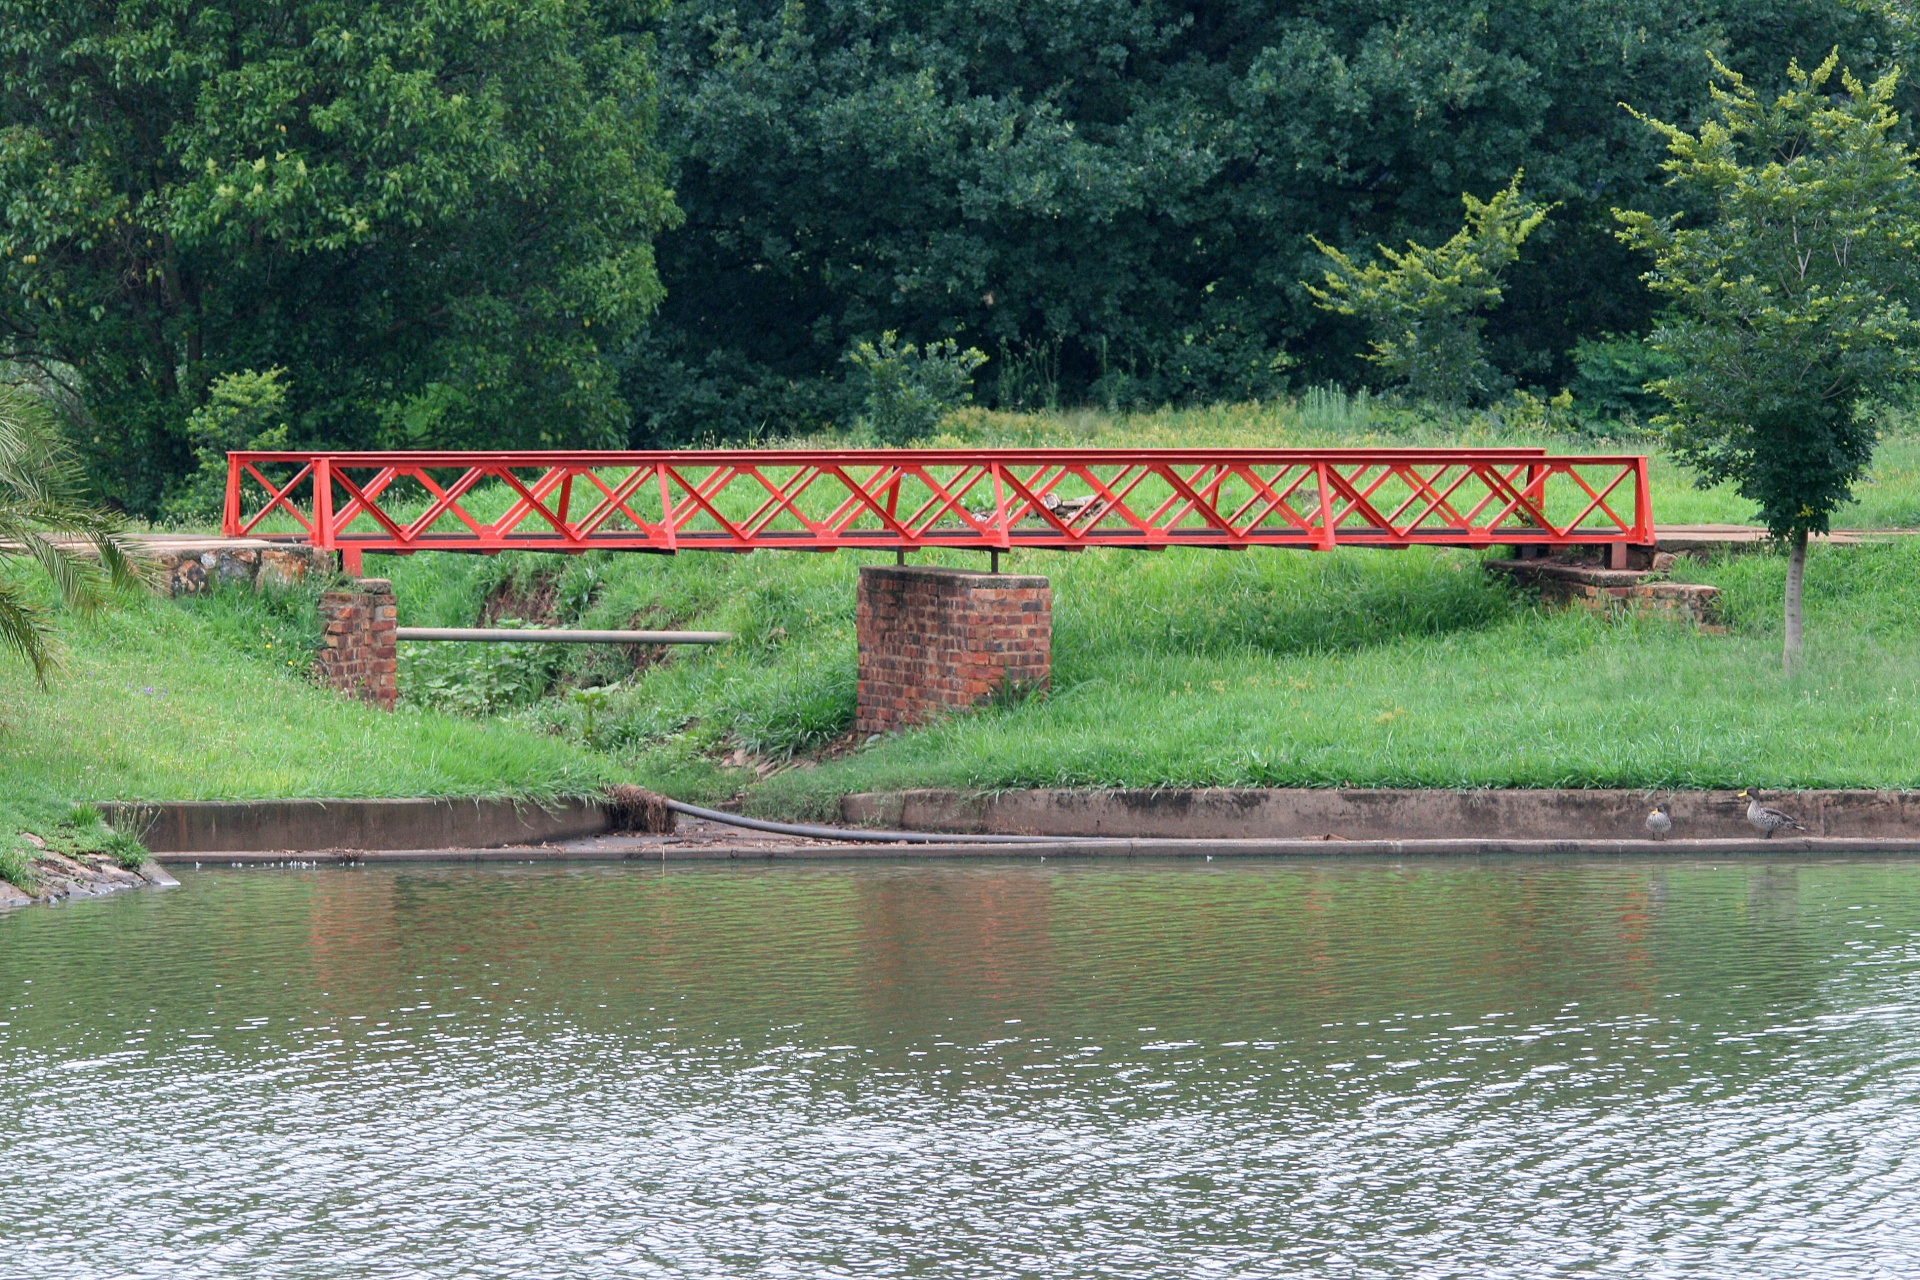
(908,499)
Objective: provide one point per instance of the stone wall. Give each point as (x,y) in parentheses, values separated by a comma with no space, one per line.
(1611,590)
(189,566)
(933,640)
(358,648)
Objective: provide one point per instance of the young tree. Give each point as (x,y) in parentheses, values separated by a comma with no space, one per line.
(436,218)
(1426,308)
(909,389)
(1790,298)
(44,517)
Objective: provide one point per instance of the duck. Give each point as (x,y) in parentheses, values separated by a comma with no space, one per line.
(1659,822)
(1766,819)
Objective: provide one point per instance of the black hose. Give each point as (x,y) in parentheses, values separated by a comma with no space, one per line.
(873,837)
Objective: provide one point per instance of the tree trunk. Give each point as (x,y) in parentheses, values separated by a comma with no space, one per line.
(1796,574)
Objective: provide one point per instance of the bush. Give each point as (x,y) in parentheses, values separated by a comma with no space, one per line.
(478,679)
(239,414)
(909,389)
(1611,376)
(1424,310)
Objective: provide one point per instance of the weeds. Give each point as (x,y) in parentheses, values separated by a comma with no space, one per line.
(16,865)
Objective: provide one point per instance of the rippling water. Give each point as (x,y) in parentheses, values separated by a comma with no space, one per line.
(1502,1068)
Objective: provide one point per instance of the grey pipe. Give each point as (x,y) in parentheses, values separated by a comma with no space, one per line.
(870,837)
(536,635)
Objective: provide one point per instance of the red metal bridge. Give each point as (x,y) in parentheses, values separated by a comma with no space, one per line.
(908,499)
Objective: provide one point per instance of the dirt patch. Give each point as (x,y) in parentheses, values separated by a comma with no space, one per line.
(532,601)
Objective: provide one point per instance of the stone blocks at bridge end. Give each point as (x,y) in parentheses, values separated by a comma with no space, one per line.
(935,640)
(359,644)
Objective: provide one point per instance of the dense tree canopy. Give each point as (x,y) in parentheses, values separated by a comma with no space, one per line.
(436,220)
(1115,198)
(435,217)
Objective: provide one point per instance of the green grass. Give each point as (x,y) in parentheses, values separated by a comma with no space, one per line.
(207,700)
(1529,699)
(1175,669)
(1206,668)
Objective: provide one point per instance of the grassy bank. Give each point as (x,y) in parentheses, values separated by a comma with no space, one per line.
(207,699)
(1202,668)
(1183,668)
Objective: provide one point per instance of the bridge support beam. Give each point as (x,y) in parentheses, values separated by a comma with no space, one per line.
(358,654)
(934,640)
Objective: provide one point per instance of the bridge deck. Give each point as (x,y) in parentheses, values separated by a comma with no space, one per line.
(909,499)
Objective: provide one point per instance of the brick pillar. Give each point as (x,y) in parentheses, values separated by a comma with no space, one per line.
(357,650)
(934,640)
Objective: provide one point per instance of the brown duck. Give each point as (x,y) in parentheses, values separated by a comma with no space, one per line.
(1766,819)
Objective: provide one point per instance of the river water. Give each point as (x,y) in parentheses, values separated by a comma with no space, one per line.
(1061,1069)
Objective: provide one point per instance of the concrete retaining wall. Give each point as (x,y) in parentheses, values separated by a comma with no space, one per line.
(1139,823)
(1375,815)
(212,826)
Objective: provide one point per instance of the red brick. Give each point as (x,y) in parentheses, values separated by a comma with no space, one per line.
(933,641)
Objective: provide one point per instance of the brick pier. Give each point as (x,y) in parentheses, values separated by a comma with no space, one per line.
(357,654)
(934,640)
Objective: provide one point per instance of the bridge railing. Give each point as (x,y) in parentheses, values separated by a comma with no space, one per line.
(908,499)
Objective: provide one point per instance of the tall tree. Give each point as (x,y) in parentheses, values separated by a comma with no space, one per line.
(1791,295)
(435,218)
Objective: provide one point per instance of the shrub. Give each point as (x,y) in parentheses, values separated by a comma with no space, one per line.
(909,389)
(239,414)
(1611,376)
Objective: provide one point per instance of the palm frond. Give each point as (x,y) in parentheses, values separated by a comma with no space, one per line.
(23,627)
(82,549)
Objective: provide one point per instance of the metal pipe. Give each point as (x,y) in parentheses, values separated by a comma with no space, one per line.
(868,837)
(536,635)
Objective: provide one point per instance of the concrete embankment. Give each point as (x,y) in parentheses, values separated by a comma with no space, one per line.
(214,826)
(1376,815)
(1211,823)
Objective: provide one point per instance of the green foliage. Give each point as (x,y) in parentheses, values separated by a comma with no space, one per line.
(1790,298)
(1611,374)
(477,679)
(1116,195)
(279,625)
(43,514)
(909,389)
(591,701)
(1901,23)
(437,219)
(1331,411)
(1424,309)
(239,414)
(16,866)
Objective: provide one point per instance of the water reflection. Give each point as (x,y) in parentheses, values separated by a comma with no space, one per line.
(1343,1069)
